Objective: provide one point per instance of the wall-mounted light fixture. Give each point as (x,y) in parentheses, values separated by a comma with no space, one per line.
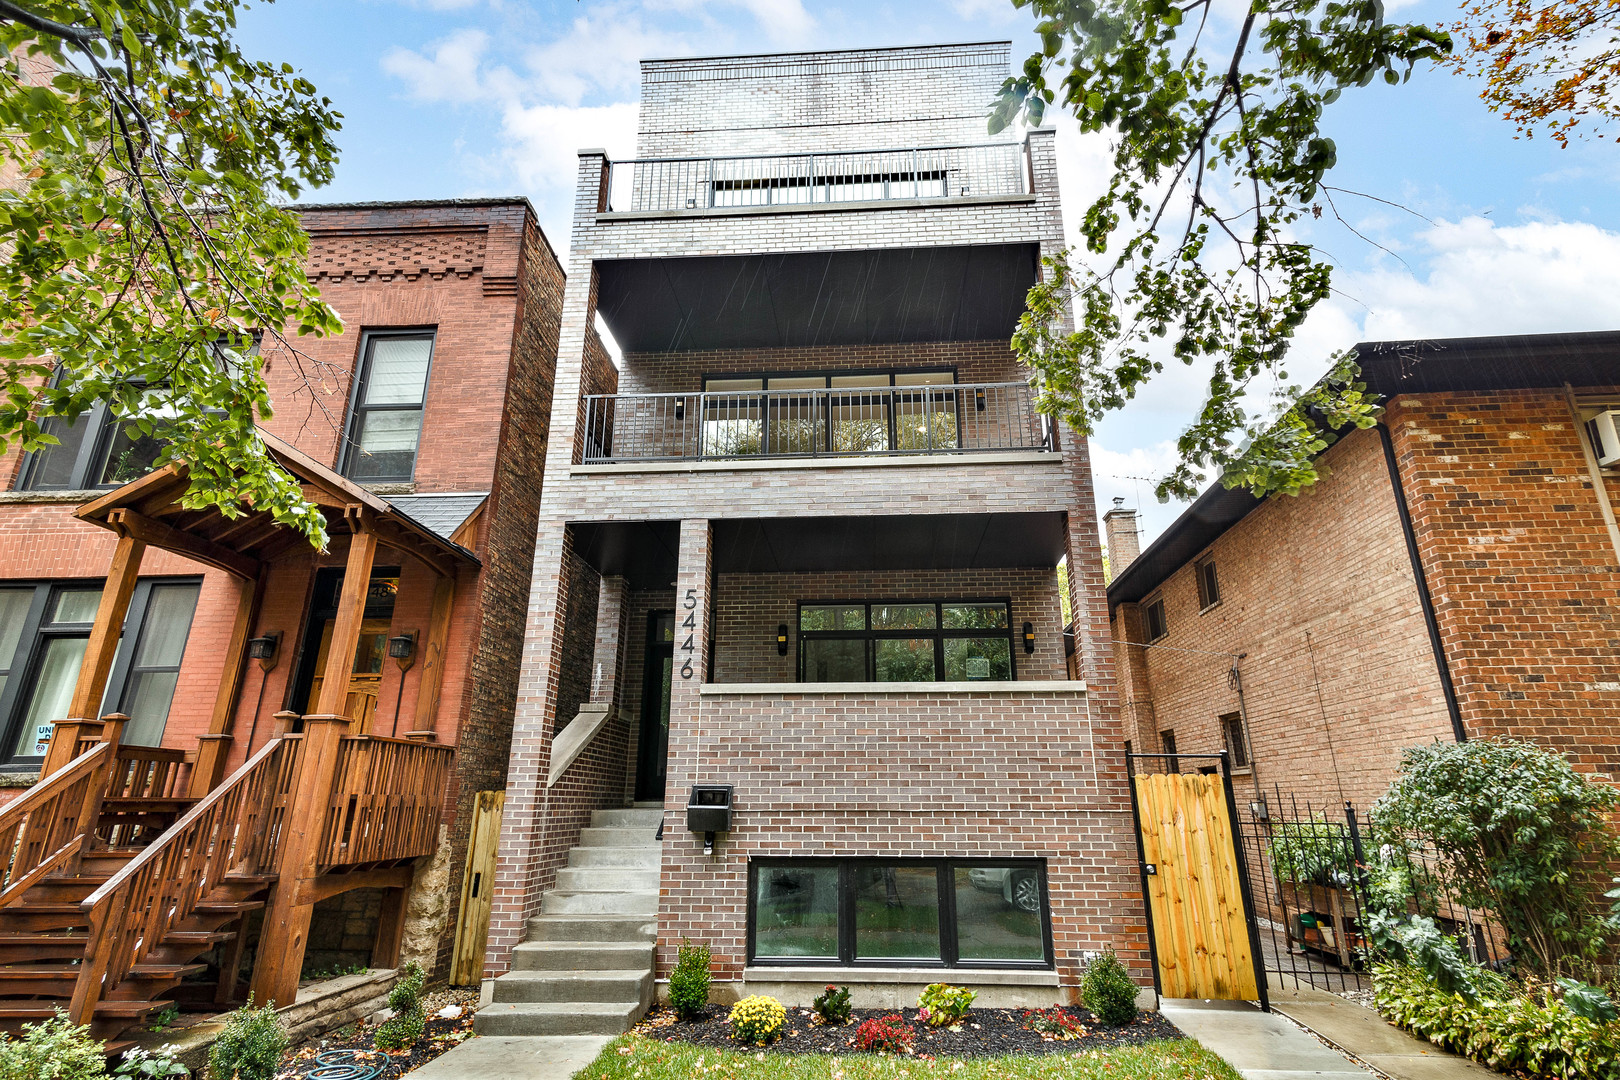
(680,408)
(978,399)
(264,649)
(1029,637)
(402,649)
(781,639)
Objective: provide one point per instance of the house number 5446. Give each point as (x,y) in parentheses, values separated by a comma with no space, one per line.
(689,624)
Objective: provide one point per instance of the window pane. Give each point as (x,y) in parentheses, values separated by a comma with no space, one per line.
(860,380)
(833,660)
(902,616)
(129,456)
(925,378)
(797,382)
(387,444)
(732,384)
(146,702)
(76,606)
(832,617)
(53,691)
(398,370)
(970,659)
(998,913)
(905,660)
(52,466)
(796,911)
(168,621)
(896,912)
(975,616)
(13,610)
(860,423)
(925,420)
(796,425)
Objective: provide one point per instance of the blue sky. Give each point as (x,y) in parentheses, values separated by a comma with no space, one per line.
(446,98)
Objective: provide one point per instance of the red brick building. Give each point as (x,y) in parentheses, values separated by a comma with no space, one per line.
(421,431)
(1454,576)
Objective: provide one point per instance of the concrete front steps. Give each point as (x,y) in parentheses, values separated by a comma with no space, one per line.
(587,966)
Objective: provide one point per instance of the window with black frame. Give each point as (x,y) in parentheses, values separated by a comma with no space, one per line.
(44,630)
(827,413)
(385,421)
(912,912)
(906,641)
(97,449)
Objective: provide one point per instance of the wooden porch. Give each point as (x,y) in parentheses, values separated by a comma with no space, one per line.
(133,870)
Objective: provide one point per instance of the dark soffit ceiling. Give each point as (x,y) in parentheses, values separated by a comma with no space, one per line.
(885,296)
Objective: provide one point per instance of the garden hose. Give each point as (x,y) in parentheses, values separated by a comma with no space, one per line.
(345,1065)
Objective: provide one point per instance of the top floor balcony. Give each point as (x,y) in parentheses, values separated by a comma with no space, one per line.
(706,184)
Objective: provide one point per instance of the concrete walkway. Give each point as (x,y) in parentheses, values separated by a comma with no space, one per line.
(1260,1046)
(1372,1039)
(492,1057)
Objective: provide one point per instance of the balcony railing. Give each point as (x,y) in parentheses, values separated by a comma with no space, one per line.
(836,422)
(709,183)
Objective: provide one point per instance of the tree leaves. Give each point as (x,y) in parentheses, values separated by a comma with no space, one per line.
(1218,151)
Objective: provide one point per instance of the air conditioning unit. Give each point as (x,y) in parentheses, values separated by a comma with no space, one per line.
(1605,435)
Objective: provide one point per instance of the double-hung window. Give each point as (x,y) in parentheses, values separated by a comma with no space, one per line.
(96,450)
(44,629)
(905,641)
(385,422)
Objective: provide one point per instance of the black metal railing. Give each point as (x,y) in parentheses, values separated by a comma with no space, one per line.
(709,183)
(820,422)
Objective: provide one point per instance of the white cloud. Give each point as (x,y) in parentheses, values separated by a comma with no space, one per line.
(450,74)
(544,139)
(601,51)
(784,21)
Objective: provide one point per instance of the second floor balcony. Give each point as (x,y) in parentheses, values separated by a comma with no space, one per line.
(813,422)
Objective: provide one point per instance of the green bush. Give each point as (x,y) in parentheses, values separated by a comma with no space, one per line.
(689,982)
(757,1019)
(1107,990)
(250,1046)
(832,1005)
(944,1005)
(400,1031)
(1315,851)
(1517,833)
(55,1049)
(1508,1027)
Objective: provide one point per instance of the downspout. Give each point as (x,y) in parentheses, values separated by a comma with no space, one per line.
(1424,601)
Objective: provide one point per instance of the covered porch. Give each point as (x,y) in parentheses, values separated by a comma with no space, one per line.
(144,875)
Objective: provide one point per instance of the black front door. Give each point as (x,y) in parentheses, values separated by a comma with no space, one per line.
(653,745)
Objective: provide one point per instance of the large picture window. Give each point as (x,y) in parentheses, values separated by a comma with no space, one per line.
(910,912)
(905,641)
(386,420)
(44,630)
(869,412)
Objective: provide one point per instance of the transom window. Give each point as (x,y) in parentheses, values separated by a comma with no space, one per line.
(830,413)
(905,641)
(386,420)
(912,912)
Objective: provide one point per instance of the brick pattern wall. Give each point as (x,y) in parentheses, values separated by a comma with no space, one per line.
(1519,564)
(751,606)
(667,373)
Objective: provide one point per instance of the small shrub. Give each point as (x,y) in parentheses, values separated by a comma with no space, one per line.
(55,1049)
(400,1031)
(250,1046)
(138,1064)
(689,982)
(832,1005)
(1107,990)
(758,1019)
(165,1017)
(944,1005)
(1054,1023)
(885,1035)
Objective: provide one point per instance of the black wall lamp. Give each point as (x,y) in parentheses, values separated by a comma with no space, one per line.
(402,649)
(978,400)
(264,649)
(781,639)
(1029,637)
(680,408)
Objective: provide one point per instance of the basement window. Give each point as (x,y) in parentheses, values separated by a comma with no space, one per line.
(899,912)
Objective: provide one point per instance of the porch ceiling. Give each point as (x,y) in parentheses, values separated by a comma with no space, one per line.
(880,296)
(645,552)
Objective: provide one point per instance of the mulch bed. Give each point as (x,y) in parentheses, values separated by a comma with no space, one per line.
(442,1034)
(984,1033)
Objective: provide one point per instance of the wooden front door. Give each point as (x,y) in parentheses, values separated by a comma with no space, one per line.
(366,673)
(1198,903)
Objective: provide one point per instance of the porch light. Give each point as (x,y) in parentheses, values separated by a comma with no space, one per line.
(263,649)
(403,647)
(978,399)
(781,639)
(1029,637)
(708,811)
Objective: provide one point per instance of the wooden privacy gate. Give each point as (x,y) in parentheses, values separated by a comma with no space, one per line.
(1201,923)
(477,890)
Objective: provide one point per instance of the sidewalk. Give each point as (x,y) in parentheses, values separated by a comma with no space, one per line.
(1369,1037)
(491,1057)
(1260,1046)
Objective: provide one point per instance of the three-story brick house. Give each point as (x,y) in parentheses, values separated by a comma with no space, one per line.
(801,541)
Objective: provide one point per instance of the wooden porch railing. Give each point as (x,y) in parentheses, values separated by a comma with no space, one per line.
(385,801)
(235,830)
(47,826)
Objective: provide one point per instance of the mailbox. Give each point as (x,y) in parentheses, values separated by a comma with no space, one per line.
(708,808)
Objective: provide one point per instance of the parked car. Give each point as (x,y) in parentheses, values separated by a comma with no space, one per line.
(1020,888)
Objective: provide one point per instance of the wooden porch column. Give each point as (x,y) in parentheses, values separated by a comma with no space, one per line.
(215,747)
(351,611)
(100,650)
(433,656)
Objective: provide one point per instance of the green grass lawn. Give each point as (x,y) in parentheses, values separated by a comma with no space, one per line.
(632,1057)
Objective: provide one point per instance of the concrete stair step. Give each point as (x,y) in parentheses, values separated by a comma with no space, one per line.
(583,955)
(556,1018)
(588,928)
(584,902)
(627,819)
(647,858)
(606,879)
(621,985)
(615,836)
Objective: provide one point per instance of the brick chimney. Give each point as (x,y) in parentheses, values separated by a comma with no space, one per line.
(1123,544)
